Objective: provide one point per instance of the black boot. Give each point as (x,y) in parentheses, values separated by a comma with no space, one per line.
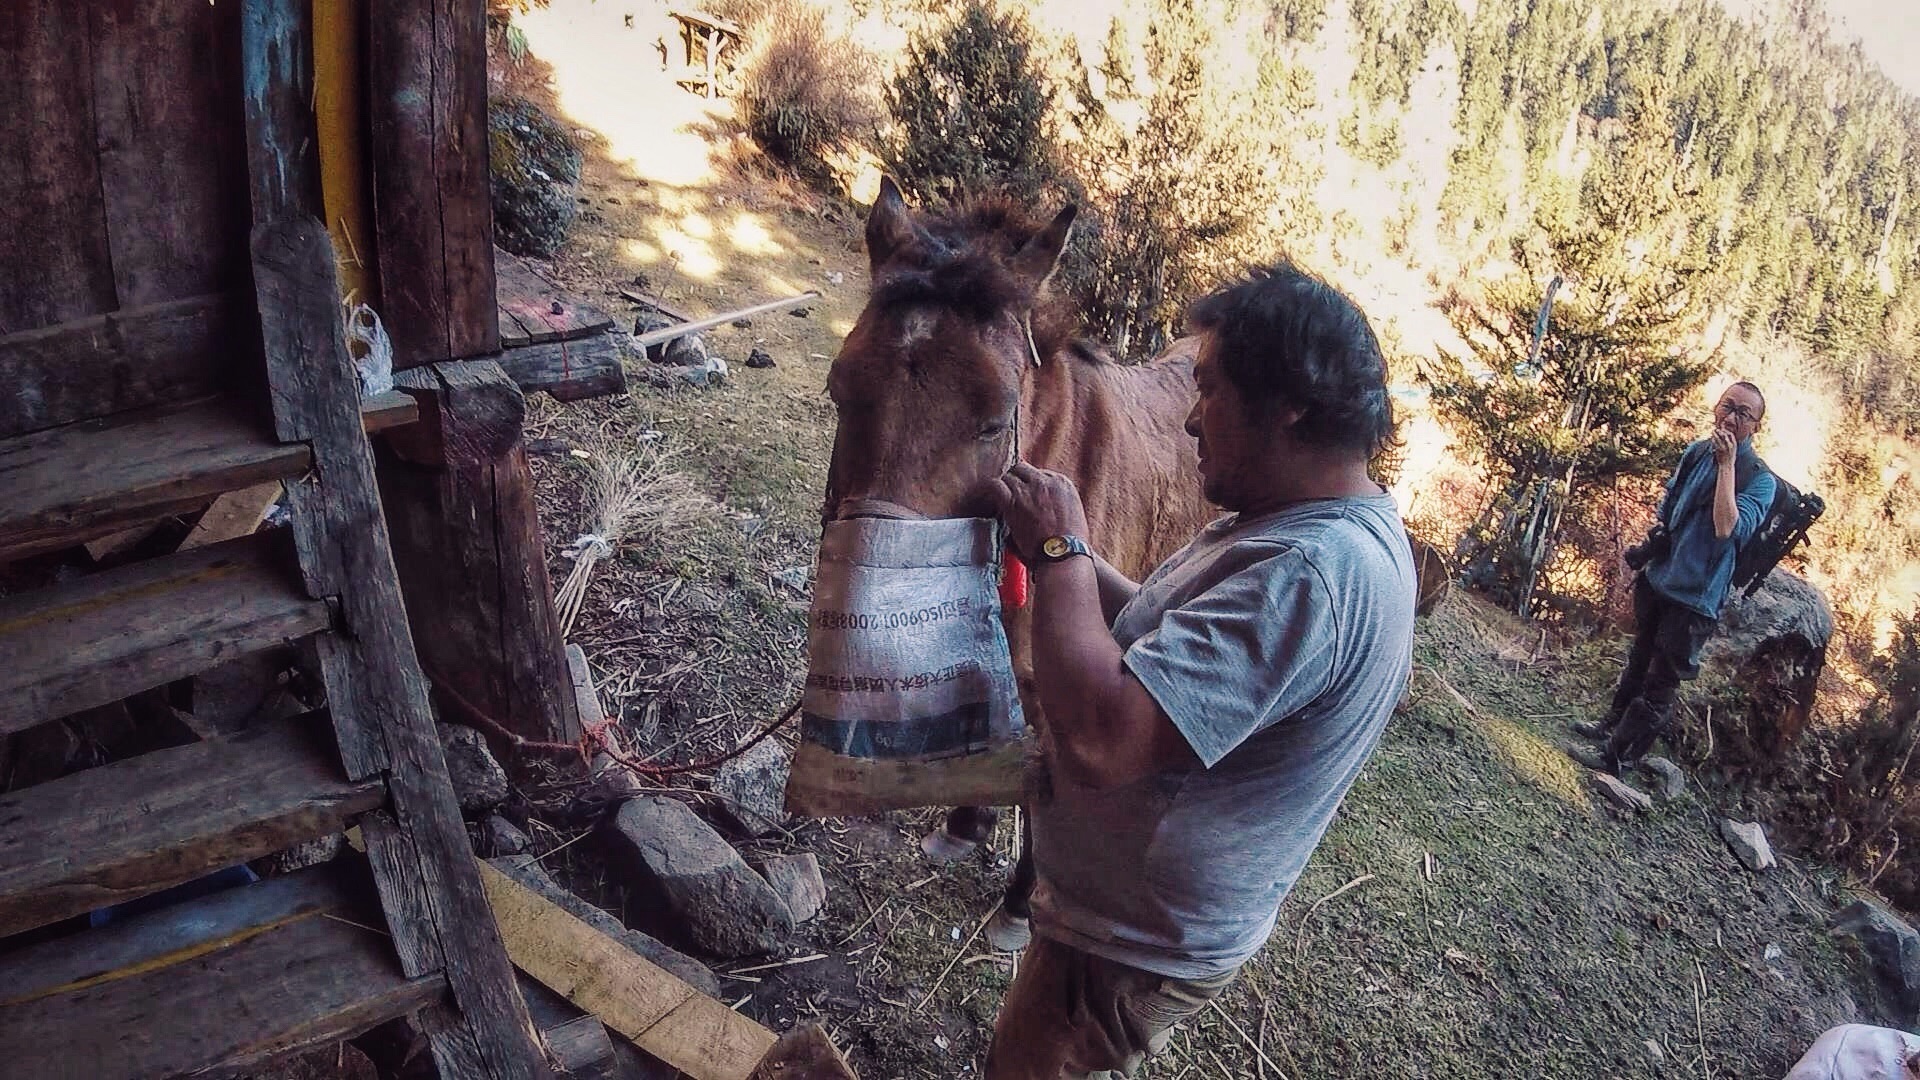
(1643,723)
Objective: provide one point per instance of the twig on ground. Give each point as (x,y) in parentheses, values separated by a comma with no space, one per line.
(1300,941)
(1699,1018)
(1253,1044)
(948,970)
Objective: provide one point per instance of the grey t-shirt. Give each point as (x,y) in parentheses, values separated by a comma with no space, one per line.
(1278,645)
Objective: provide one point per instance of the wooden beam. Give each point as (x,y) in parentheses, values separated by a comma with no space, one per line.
(470,554)
(210,988)
(661,1014)
(534,309)
(568,370)
(72,483)
(339,106)
(107,835)
(668,333)
(121,631)
(427,101)
(423,864)
(128,359)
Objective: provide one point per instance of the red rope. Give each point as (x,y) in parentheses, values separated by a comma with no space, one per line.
(593,738)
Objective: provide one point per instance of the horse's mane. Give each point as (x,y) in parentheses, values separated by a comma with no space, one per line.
(960,263)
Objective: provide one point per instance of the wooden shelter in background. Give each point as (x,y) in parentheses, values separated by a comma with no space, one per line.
(188,193)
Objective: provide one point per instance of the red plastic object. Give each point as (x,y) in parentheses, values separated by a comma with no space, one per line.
(1014,581)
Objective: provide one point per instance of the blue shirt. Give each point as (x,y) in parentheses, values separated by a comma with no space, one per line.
(1698,570)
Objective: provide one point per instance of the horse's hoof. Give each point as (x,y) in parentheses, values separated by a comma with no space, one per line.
(1008,933)
(943,847)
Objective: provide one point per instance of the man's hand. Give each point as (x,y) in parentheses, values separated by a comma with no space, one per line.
(1724,447)
(1036,504)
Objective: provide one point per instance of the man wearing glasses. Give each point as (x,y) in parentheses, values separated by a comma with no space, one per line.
(1715,500)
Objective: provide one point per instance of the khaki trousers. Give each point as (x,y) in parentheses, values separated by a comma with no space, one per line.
(1070,1015)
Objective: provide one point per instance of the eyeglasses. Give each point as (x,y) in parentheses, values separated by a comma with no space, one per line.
(1738,412)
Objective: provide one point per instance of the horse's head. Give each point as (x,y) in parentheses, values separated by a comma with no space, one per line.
(928,383)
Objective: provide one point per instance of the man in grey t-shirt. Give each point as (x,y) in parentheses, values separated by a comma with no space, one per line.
(1203,726)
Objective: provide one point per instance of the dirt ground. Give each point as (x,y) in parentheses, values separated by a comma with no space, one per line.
(1473,913)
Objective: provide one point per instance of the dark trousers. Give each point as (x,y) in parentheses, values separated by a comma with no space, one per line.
(1666,652)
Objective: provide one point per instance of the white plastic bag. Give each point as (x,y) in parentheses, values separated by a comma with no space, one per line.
(1860,1052)
(910,698)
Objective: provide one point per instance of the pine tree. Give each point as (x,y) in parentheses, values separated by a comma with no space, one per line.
(1590,404)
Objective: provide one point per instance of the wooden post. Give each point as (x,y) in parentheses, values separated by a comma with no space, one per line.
(467,543)
(427,102)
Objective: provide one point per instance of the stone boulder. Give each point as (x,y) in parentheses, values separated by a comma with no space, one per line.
(1748,842)
(754,788)
(1774,643)
(478,780)
(690,971)
(1892,947)
(726,908)
(536,171)
(797,879)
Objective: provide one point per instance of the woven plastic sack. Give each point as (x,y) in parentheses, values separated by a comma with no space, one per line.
(1860,1052)
(910,696)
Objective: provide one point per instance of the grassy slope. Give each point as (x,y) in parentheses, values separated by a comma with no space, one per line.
(1545,936)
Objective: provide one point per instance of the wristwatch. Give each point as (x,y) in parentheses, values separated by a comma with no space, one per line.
(1061,548)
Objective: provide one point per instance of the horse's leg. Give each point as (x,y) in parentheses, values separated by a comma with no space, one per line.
(1009,930)
(966,828)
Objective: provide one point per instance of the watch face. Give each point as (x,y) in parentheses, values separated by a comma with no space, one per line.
(1055,547)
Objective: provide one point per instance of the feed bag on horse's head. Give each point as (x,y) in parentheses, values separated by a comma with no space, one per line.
(910,697)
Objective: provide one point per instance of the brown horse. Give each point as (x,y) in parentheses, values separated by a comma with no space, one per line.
(963,356)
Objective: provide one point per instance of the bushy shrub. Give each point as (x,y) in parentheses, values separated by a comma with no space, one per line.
(804,92)
(970,109)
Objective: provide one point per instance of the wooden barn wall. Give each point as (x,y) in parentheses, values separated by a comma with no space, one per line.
(123,218)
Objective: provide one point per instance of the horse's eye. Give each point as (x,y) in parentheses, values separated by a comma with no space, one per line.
(993,429)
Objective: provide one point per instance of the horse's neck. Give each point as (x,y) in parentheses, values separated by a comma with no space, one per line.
(1119,433)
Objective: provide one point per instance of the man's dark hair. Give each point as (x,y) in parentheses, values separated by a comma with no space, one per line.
(1284,337)
(1757,392)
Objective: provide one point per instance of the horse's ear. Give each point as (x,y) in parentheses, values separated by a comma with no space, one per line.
(1035,260)
(889,225)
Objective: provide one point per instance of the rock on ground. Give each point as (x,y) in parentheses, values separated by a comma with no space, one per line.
(1892,946)
(726,908)
(503,837)
(1774,643)
(687,350)
(478,780)
(1749,843)
(1620,793)
(755,788)
(529,873)
(797,879)
(759,358)
(535,170)
(1672,781)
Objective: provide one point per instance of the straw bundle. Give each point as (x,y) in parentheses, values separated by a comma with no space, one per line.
(631,493)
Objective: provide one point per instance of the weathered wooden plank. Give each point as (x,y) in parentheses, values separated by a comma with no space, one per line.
(115,633)
(542,310)
(372,671)
(233,515)
(180,931)
(77,481)
(166,110)
(427,102)
(661,1014)
(104,836)
(54,264)
(568,370)
(582,1048)
(468,546)
(111,363)
(257,972)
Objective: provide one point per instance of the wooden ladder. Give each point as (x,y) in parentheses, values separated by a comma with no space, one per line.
(243,975)
(235,978)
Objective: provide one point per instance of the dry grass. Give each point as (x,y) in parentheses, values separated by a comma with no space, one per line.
(636,496)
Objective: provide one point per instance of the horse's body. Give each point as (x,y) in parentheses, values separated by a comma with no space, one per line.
(959,326)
